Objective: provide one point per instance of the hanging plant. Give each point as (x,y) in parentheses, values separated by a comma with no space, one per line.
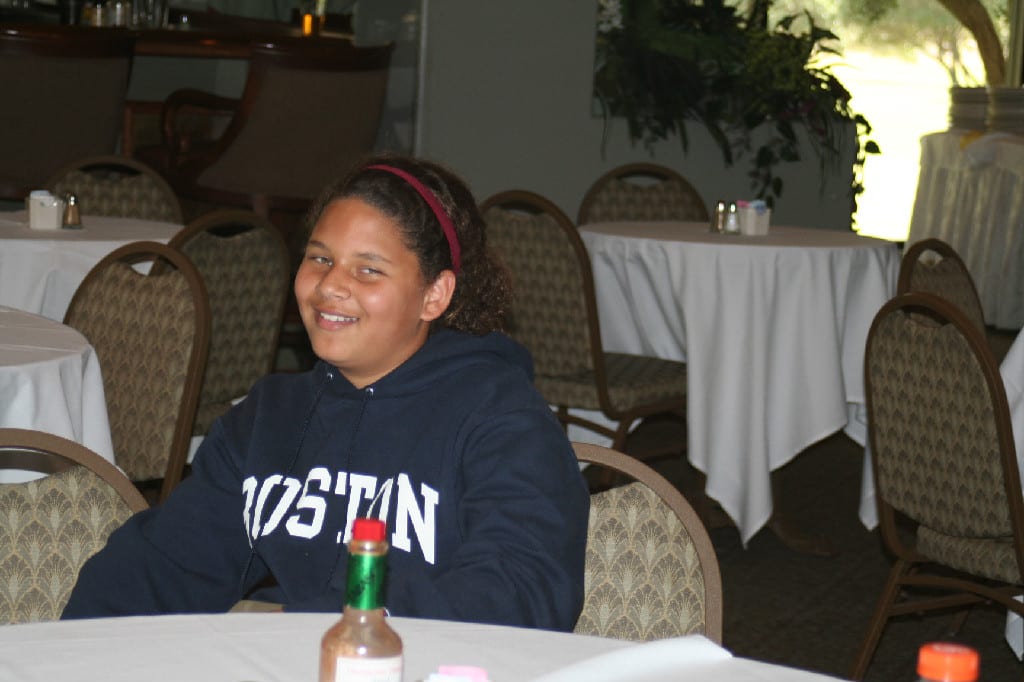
(663,63)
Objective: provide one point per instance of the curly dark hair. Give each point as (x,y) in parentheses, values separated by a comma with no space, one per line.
(483,288)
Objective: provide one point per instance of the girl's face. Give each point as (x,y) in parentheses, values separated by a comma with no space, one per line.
(361,293)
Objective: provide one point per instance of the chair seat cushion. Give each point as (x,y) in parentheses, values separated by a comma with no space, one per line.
(990,557)
(633,382)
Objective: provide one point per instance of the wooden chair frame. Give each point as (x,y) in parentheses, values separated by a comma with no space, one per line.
(184,167)
(911,260)
(137,252)
(644,169)
(123,162)
(228,217)
(532,202)
(47,453)
(909,569)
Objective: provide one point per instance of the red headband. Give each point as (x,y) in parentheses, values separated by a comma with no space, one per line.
(442,216)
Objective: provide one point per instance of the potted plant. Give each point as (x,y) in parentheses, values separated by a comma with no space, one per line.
(664,63)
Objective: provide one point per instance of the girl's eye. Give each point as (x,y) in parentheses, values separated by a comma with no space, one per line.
(319,260)
(366,270)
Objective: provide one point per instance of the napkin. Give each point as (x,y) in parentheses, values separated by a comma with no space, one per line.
(981,151)
(45,211)
(662,660)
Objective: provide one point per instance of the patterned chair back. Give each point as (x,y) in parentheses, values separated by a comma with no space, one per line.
(651,570)
(243,260)
(51,525)
(118,186)
(933,266)
(552,313)
(151,334)
(941,439)
(641,191)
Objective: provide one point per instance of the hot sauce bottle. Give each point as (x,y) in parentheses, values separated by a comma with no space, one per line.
(362,646)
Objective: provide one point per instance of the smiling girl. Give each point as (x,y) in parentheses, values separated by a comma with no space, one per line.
(420,412)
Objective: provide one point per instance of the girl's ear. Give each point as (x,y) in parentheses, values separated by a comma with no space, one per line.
(437,296)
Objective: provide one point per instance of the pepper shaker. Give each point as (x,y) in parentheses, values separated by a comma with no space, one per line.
(72,216)
(718,217)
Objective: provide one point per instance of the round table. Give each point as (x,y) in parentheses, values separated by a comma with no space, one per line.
(50,381)
(41,269)
(286,647)
(772,329)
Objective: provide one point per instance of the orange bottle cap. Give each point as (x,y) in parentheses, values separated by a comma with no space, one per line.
(368,529)
(947,662)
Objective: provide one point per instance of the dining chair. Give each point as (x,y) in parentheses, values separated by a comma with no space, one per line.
(151,333)
(113,185)
(642,191)
(308,110)
(932,265)
(554,315)
(947,484)
(63,90)
(51,525)
(243,261)
(651,570)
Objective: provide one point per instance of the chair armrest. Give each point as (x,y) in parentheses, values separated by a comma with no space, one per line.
(175,138)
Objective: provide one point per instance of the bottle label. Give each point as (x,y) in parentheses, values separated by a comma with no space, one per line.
(365,582)
(368,669)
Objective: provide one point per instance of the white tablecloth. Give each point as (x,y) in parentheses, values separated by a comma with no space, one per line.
(970,193)
(50,381)
(286,648)
(772,329)
(41,269)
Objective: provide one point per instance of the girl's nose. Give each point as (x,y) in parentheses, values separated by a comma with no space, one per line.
(334,284)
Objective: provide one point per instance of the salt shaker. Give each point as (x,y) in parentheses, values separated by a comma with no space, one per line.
(732,220)
(72,216)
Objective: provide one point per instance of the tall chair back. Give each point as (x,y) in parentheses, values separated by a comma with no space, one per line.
(244,264)
(151,333)
(308,110)
(642,191)
(943,459)
(50,526)
(651,570)
(64,91)
(112,185)
(554,314)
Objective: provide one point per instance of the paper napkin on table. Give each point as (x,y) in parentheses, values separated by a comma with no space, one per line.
(657,661)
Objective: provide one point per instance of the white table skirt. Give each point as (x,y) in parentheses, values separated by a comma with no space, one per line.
(772,329)
(50,381)
(1012,371)
(41,269)
(286,648)
(970,193)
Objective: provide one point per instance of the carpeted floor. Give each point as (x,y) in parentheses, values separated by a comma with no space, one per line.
(811,612)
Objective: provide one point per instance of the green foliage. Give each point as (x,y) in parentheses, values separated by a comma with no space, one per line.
(663,63)
(922,25)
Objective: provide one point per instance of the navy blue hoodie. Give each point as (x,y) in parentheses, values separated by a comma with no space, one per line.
(485,507)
